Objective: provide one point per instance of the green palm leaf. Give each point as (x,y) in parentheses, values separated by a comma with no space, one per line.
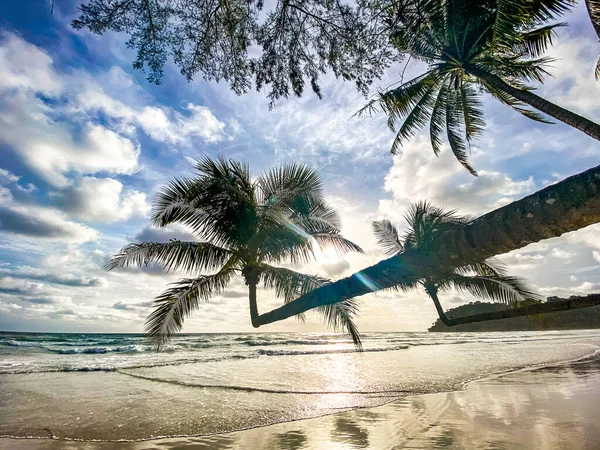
(454,130)
(173,255)
(419,115)
(340,316)
(179,301)
(387,237)
(505,289)
(290,285)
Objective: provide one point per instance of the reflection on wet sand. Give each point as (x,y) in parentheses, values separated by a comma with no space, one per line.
(291,440)
(548,408)
(347,431)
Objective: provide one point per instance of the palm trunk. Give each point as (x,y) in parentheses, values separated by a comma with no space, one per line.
(593,8)
(564,115)
(432,291)
(572,204)
(251,277)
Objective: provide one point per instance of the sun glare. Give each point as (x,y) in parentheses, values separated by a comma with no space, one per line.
(327,255)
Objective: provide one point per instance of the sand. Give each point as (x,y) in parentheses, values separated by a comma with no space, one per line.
(552,407)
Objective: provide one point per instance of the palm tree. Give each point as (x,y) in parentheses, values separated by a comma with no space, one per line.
(569,205)
(470,48)
(487,279)
(244,226)
(593,8)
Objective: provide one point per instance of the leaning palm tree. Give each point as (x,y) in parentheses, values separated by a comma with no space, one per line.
(243,226)
(472,47)
(425,224)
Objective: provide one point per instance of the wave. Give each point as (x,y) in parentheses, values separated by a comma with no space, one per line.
(112,366)
(99,350)
(327,352)
(392,393)
(25,344)
(263,343)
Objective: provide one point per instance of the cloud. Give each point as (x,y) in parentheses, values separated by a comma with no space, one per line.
(52,150)
(102,199)
(132,306)
(30,273)
(25,66)
(574,89)
(45,223)
(166,125)
(65,122)
(174,231)
(417,174)
(8,177)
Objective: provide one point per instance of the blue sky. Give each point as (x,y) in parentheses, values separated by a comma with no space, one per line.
(86,142)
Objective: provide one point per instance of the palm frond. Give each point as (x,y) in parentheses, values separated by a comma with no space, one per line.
(437,121)
(290,186)
(289,285)
(454,126)
(418,117)
(190,257)
(505,289)
(593,8)
(399,102)
(387,237)
(179,301)
(337,242)
(426,223)
(535,42)
(181,201)
(472,109)
(341,316)
(515,104)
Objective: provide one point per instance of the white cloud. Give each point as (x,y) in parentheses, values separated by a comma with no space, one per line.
(24,66)
(166,125)
(43,223)
(102,199)
(64,136)
(50,148)
(8,177)
(417,174)
(570,88)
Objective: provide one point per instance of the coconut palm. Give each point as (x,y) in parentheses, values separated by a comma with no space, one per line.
(470,48)
(244,226)
(593,8)
(425,223)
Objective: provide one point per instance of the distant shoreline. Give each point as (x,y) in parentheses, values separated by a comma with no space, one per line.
(572,319)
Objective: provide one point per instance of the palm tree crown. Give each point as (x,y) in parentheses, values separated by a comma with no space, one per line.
(426,223)
(470,47)
(243,226)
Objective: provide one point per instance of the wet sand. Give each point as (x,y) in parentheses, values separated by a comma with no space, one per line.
(552,407)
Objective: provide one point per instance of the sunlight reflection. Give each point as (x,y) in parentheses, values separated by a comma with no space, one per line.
(366,281)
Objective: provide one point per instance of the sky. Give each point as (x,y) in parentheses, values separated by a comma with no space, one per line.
(86,143)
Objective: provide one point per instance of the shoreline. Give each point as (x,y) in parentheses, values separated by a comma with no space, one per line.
(507,381)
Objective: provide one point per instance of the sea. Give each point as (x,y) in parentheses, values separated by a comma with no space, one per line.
(114,387)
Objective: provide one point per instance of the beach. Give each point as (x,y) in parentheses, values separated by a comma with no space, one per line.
(466,391)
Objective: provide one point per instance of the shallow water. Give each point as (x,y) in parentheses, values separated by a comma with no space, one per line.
(110,387)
